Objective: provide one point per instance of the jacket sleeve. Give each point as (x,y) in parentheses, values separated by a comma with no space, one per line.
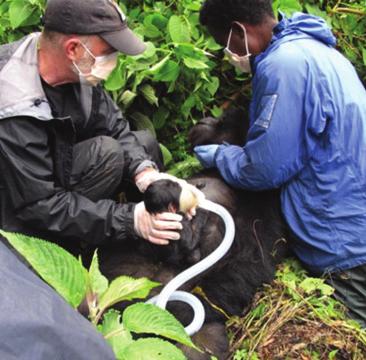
(27,172)
(119,128)
(275,150)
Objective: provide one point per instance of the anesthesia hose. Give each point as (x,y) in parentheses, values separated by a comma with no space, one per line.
(169,292)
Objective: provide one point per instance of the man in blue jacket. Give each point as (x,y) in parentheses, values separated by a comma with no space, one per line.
(307,135)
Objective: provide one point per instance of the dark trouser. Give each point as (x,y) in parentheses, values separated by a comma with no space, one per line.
(98,173)
(98,164)
(350,286)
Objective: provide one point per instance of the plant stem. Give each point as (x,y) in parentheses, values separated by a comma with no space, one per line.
(344,10)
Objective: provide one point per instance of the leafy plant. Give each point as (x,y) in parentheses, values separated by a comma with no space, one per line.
(181,77)
(296,317)
(75,283)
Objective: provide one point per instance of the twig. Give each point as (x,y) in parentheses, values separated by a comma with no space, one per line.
(344,10)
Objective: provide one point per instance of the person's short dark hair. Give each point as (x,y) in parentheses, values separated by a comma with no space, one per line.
(218,15)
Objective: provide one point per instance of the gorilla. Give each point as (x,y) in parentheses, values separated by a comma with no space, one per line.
(228,288)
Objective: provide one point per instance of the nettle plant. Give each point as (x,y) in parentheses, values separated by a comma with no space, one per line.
(174,83)
(77,285)
(181,77)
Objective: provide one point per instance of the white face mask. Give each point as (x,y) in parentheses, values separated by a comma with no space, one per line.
(100,70)
(240,62)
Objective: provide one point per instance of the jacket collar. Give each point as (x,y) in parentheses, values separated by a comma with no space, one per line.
(21,92)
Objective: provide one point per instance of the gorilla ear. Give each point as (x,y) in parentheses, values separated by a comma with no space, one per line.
(194,257)
(172,208)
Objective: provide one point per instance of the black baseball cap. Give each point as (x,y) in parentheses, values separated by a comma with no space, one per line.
(93,17)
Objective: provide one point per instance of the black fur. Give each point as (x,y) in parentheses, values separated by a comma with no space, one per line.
(260,240)
(160,195)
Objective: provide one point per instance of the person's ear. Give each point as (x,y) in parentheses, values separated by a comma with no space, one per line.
(73,49)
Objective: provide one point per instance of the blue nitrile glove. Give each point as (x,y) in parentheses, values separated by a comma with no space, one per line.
(206,155)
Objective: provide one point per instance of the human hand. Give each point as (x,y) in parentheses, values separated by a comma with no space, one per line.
(158,228)
(206,154)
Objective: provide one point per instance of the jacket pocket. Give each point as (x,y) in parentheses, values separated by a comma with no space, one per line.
(265,110)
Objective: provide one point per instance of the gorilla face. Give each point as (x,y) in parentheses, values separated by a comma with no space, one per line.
(231,127)
(163,195)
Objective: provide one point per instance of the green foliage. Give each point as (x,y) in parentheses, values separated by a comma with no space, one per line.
(125,288)
(19,17)
(72,281)
(152,349)
(55,265)
(98,284)
(181,77)
(296,317)
(147,318)
(113,330)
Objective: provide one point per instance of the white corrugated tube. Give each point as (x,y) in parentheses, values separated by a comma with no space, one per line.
(170,293)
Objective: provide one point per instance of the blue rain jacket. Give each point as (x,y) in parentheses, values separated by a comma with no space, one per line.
(308,136)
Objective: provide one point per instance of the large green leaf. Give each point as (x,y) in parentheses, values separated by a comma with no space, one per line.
(186,168)
(188,104)
(194,63)
(287,6)
(144,318)
(115,333)
(142,122)
(169,72)
(152,349)
(117,79)
(310,285)
(149,52)
(55,265)
(149,94)
(21,12)
(157,67)
(179,30)
(126,288)
(167,155)
(314,10)
(213,85)
(98,283)
(127,98)
(160,116)
(158,20)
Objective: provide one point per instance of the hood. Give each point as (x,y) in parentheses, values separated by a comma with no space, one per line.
(21,91)
(301,26)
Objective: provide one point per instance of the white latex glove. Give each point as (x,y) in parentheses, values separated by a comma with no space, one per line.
(144,179)
(159,228)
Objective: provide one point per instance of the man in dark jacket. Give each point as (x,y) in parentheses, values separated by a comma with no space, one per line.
(307,135)
(64,145)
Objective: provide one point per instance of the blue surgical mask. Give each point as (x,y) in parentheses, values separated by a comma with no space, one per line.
(240,62)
